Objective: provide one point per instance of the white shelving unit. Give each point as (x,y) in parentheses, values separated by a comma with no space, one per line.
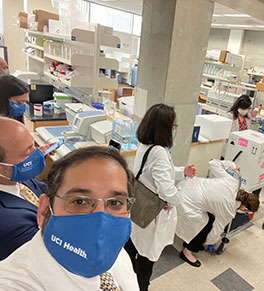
(93,39)
(35,58)
(34,46)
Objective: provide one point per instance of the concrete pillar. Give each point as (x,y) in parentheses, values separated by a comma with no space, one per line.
(173,46)
(235,41)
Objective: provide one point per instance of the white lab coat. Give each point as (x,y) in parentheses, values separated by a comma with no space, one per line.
(200,195)
(159,175)
(32,268)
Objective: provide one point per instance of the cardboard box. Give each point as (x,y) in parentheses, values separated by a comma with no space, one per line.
(251,160)
(23,19)
(224,56)
(260,86)
(42,16)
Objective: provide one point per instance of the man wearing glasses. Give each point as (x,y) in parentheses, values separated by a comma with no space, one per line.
(84,221)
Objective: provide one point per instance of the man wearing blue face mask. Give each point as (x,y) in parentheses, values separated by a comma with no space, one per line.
(84,220)
(20,161)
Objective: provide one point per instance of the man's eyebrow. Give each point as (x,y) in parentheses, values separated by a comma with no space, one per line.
(119,193)
(78,190)
(88,191)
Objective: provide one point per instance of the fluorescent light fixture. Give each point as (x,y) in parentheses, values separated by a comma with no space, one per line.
(236,15)
(259,26)
(217,15)
(239,25)
(217,24)
(235,25)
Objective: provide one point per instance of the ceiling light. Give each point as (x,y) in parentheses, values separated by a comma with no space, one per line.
(217,24)
(236,15)
(239,25)
(259,26)
(217,15)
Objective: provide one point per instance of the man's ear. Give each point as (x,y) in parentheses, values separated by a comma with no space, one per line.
(42,208)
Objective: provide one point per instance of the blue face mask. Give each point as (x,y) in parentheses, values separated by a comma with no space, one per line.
(86,245)
(16,109)
(29,168)
(173,133)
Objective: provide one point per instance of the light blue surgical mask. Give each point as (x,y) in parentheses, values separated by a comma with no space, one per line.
(86,244)
(16,109)
(4,72)
(174,133)
(29,168)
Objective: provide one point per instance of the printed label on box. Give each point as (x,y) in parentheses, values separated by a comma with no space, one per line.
(243,142)
(261,177)
(253,134)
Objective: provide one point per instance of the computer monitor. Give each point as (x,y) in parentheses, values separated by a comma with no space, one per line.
(40,92)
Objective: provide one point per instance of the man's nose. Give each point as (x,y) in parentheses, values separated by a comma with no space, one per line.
(100,207)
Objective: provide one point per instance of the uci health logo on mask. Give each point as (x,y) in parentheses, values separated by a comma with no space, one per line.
(27,166)
(68,246)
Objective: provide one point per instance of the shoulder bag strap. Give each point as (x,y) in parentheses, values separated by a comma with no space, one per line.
(144,161)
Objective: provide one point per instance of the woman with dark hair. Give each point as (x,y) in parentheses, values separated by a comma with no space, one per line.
(241,115)
(207,205)
(158,127)
(13,97)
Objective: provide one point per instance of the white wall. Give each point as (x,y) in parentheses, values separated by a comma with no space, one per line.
(253,47)
(1,16)
(13,35)
(218,39)
(40,4)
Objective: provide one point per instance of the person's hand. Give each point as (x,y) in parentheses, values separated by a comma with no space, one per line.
(211,249)
(46,147)
(254,112)
(167,207)
(238,168)
(190,171)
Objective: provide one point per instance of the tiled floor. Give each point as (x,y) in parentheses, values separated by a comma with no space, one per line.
(239,268)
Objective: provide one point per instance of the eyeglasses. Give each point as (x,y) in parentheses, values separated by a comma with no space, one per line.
(174,125)
(84,205)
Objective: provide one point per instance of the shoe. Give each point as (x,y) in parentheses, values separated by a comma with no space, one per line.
(185,245)
(197,263)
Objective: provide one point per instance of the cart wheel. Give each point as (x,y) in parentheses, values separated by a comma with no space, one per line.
(220,249)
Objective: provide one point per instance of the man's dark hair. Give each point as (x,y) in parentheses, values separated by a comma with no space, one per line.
(242,102)
(59,167)
(156,126)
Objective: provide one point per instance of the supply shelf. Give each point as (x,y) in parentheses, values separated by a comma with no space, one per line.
(34,46)
(35,57)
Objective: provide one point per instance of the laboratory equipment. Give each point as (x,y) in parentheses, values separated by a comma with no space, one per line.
(80,117)
(247,147)
(101,131)
(124,132)
(39,91)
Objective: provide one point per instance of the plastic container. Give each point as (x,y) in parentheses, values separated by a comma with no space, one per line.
(124,132)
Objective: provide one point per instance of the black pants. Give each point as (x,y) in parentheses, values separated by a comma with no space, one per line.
(197,242)
(142,266)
